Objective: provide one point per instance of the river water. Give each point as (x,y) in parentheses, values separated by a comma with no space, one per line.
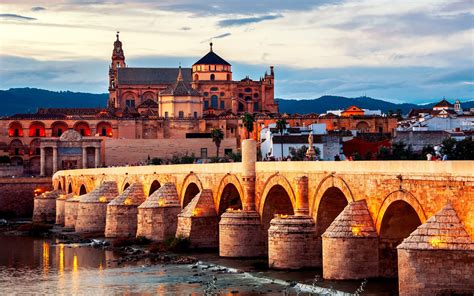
(30,266)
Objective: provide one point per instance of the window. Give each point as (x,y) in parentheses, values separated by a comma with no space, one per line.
(195,115)
(181,114)
(130,103)
(213,77)
(196,77)
(222,94)
(248,98)
(248,89)
(166,114)
(214,101)
(241,95)
(204,153)
(103,132)
(222,105)
(60,132)
(256,107)
(16,133)
(37,132)
(206,105)
(83,132)
(227,151)
(231,130)
(214,89)
(17,151)
(255,95)
(228,77)
(37,151)
(206,94)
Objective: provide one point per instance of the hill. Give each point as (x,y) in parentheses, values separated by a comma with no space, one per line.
(28,100)
(324,103)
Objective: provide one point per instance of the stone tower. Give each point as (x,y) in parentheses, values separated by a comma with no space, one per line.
(118,61)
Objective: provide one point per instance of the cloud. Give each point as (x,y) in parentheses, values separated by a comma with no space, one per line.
(17,17)
(247,20)
(37,8)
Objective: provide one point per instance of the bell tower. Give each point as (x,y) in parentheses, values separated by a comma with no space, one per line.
(118,61)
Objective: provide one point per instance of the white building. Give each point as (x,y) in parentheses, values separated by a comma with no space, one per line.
(272,141)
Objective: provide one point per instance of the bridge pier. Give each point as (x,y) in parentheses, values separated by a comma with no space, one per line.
(121,219)
(60,204)
(292,240)
(70,211)
(44,210)
(198,221)
(240,232)
(158,215)
(437,258)
(350,245)
(92,207)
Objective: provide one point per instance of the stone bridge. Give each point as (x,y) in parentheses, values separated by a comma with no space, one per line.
(348,217)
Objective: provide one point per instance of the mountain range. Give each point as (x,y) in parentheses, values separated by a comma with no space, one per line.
(28,100)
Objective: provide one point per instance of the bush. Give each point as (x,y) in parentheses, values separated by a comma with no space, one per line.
(177,244)
(4,159)
(156,161)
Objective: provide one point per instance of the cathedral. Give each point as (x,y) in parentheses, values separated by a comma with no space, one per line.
(205,88)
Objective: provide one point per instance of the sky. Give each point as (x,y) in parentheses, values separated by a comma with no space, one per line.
(399,50)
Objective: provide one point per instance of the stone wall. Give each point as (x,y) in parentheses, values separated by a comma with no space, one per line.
(428,272)
(17,194)
(7,171)
(126,151)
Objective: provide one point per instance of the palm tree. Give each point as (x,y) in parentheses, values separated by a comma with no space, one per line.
(217,136)
(281,126)
(248,121)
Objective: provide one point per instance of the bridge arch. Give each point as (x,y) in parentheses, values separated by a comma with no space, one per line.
(229,194)
(191,186)
(154,186)
(69,188)
(402,195)
(278,197)
(325,184)
(399,215)
(82,189)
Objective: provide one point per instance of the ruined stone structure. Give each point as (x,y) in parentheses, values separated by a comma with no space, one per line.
(367,208)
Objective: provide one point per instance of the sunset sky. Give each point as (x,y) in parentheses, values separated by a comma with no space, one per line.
(402,51)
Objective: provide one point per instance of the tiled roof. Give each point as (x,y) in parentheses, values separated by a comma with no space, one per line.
(149,103)
(132,196)
(202,205)
(443,231)
(105,192)
(443,103)
(180,88)
(69,111)
(211,58)
(354,221)
(165,196)
(151,75)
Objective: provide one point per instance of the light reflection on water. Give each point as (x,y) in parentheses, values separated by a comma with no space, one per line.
(36,266)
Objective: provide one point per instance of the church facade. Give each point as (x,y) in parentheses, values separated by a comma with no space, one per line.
(209,79)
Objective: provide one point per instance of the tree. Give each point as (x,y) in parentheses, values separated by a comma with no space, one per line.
(399,151)
(299,154)
(384,153)
(447,147)
(281,126)
(217,136)
(248,121)
(464,149)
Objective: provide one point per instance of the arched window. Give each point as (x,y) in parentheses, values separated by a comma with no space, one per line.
(196,77)
(214,101)
(181,114)
(206,105)
(82,128)
(248,89)
(255,95)
(104,129)
(213,77)
(37,129)
(58,128)
(214,89)
(15,129)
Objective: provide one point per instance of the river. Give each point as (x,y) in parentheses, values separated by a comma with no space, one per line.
(31,266)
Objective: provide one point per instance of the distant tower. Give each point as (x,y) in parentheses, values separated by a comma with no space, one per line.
(118,61)
(457,107)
